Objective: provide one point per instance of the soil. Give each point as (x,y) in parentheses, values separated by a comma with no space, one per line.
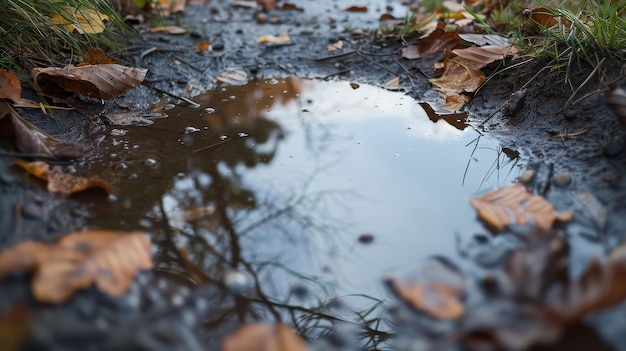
(560,128)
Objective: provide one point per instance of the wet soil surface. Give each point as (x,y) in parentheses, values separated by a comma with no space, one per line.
(208,213)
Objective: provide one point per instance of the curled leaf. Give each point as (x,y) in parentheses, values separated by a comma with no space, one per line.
(10,87)
(80,20)
(61,183)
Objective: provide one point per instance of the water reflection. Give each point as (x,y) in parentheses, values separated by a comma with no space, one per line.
(265,189)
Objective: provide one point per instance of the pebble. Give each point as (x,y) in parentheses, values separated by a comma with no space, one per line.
(562,179)
(615,147)
(527,176)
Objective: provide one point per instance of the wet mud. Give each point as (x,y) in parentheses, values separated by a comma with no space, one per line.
(225,187)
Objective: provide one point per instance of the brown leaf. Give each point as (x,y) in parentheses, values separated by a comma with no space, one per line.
(61,183)
(356,9)
(167,7)
(267,5)
(514,205)
(96,56)
(486,39)
(108,259)
(233,77)
(546,18)
(478,57)
(15,328)
(32,140)
(10,87)
(393,82)
(436,289)
(335,46)
(80,20)
(203,46)
(105,81)
(457,78)
(455,103)
(272,39)
(174,30)
(436,41)
(616,99)
(263,337)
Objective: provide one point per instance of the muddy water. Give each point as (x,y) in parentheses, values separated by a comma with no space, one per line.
(299,190)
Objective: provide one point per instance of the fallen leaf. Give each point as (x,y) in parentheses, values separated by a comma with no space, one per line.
(457,120)
(478,57)
(457,78)
(436,289)
(203,46)
(616,99)
(393,82)
(436,41)
(356,9)
(486,39)
(354,85)
(455,103)
(167,7)
(272,39)
(174,30)
(515,205)
(108,259)
(61,183)
(335,46)
(10,87)
(233,77)
(264,337)
(96,56)
(81,20)
(32,140)
(267,5)
(105,81)
(547,18)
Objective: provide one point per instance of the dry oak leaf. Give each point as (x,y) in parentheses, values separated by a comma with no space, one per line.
(108,259)
(516,205)
(59,182)
(437,289)
(264,337)
(30,139)
(478,57)
(106,81)
(82,20)
(457,78)
(10,87)
(436,41)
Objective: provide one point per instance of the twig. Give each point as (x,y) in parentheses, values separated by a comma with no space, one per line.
(190,102)
(212,145)
(178,58)
(347,53)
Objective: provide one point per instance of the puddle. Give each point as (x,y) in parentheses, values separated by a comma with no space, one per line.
(312,190)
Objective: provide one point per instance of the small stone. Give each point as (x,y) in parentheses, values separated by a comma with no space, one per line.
(527,176)
(195,34)
(562,179)
(218,47)
(261,17)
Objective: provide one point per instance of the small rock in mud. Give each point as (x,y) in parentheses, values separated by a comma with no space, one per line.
(562,179)
(527,176)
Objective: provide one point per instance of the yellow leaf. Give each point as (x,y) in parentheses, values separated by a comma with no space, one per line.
(281,39)
(82,20)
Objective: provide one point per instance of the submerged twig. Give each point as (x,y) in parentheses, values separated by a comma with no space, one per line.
(190,102)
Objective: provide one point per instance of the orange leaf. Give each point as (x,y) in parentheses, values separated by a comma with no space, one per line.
(515,205)
(281,39)
(263,337)
(203,46)
(547,18)
(479,56)
(436,290)
(96,56)
(356,9)
(108,259)
(61,183)
(458,77)
(10,87)
(105,81)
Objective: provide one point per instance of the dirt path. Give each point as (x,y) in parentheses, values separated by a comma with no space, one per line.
(582,141)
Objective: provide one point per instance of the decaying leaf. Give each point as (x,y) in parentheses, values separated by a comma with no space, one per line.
(516,205)
(32,140)
(546,18)
(108,259)
(10,87)
(105,81)
(436,41)
(436,289)
(457,78)
(356,8)
(174,30)
(233,77)
(478,57)
(203,46)
(272,39)
(59,182)
(264,337)
(15,328)
(616,99)
(80,20)
(393,82)
(335,46)
(455,103)
(96,56)
(486,39)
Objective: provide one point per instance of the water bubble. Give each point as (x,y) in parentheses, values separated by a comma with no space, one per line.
(236,281)
(177,300)
(232,97)
(168,107)
(223,137)
(209,110)
(150,162)
(133,176)
(242,134)
(119,166)
(273,81)
(191,129)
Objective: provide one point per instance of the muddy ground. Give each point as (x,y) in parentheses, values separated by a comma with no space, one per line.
(582,139)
